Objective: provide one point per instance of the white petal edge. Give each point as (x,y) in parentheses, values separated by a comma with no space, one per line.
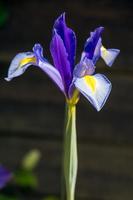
(102,90)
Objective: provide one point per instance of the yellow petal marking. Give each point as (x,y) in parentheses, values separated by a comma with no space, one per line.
(91,82)
(26,61)
(104,51)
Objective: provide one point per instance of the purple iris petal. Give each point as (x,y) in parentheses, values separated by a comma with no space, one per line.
(90,55)
(53,73)
(68,37)
(47,67)
(5,176)
(97,52)
(22,61)
(92,42)
(60,58)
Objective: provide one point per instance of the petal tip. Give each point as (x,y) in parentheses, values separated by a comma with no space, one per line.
(7,79)
(100,28)
(36,46)
(62,16)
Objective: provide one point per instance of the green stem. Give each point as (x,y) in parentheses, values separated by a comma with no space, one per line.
(70,151)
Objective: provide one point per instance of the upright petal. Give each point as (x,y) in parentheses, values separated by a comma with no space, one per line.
(90,55)
(68,37)
(60,58)
(95,88)
(23,60)
(109,55)
(5,176)
(93,42)
(97,52)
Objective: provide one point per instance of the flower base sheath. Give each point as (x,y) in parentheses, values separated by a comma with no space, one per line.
(70,151)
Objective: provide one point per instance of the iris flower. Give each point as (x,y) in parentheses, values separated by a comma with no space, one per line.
(5,177)
(72,80)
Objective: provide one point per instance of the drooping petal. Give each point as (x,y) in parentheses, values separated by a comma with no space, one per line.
(20,63)
(68,37)
(5,176)
(93,43)
(109,55)
(51,71)
(95,88)
(23,60)
(60,58)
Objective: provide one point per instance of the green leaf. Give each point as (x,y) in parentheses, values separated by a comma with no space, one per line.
(25,178)
(31,159)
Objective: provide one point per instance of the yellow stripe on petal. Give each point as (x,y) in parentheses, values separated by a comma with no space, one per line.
(109,55)
(91,82)
(104,51)
(95,88)
(26,61)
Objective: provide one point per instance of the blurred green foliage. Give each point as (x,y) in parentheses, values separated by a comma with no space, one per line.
(3,13)
(3,197)
(31,160)
(24,178)
(51,198)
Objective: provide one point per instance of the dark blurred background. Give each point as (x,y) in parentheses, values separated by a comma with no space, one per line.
(32,108)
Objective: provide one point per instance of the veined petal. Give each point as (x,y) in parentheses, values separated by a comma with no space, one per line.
(95,88)
(20,63)
(109,55)
(5,176)
(60,58)
(68,37)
